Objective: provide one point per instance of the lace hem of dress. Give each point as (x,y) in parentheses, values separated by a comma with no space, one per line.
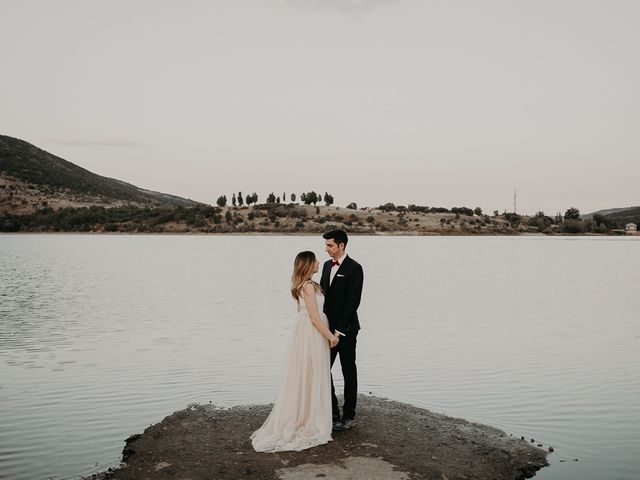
(293,442)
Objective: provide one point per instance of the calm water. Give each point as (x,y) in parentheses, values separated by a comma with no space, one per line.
(101,336)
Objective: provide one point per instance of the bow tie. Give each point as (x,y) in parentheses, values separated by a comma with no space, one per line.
(334,263)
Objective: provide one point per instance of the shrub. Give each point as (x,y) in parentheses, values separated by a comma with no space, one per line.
(438,210)
(388,207)
(572,226)
(298,212)
(512,218)
(463,211)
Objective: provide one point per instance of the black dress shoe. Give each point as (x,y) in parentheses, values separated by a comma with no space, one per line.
(348,423)
(343,425)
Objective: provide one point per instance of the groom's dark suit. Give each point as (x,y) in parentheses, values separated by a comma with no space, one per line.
(341,301)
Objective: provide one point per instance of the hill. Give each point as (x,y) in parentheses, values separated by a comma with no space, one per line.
(621,215)
(31,178)
(40,192)
(626,215)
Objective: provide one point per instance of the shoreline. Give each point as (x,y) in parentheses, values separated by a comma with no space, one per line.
(315,234)
(294,219)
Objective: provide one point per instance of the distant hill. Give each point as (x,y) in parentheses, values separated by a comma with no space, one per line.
(621,215)
(626,215)
(604,212)
(31,177)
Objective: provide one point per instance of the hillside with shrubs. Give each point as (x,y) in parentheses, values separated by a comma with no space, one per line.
(40,192)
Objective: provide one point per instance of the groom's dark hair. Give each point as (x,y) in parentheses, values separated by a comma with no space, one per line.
(338,236)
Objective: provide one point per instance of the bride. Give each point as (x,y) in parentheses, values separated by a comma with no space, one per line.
(301,416)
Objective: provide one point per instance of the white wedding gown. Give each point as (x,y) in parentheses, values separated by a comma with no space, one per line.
(301,415)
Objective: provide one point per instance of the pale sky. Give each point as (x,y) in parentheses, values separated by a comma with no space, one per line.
(439,103)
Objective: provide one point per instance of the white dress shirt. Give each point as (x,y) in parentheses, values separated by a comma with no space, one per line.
(334,268)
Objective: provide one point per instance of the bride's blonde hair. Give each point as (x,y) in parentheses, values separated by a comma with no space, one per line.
(302,271)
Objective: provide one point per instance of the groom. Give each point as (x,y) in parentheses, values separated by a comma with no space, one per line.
(341,282)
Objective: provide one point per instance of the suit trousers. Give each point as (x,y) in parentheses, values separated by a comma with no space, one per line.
(347,351)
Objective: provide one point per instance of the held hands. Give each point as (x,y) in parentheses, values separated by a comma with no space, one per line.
(334,341)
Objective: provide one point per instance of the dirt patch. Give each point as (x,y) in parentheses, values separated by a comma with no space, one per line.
(391,440)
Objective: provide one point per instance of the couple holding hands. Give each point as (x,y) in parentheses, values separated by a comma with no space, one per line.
(326,325)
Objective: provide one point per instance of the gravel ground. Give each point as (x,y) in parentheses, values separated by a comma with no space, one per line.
(390,440)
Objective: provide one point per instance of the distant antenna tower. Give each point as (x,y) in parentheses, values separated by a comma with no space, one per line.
(515,201)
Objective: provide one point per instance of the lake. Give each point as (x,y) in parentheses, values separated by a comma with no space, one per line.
(103,335)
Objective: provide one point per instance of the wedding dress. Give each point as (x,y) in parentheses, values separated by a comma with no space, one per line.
(301,416)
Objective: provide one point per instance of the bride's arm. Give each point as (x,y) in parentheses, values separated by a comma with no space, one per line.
(309,297)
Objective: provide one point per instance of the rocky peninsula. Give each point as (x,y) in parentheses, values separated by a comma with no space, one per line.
(391,440)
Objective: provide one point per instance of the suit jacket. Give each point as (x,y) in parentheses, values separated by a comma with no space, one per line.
(342,297)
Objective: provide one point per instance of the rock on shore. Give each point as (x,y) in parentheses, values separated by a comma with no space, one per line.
(391,440)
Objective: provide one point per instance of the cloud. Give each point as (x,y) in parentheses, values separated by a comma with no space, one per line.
(346,6)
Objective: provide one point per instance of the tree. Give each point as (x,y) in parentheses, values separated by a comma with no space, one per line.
(303,198)
(233,200)
(598,218)
(572,214)
(278,200)
(477,211)
(240,201)
(271,198)
(222,201)
(604,222)
(328,199)
(293,197)
(352,206)
(309,198)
